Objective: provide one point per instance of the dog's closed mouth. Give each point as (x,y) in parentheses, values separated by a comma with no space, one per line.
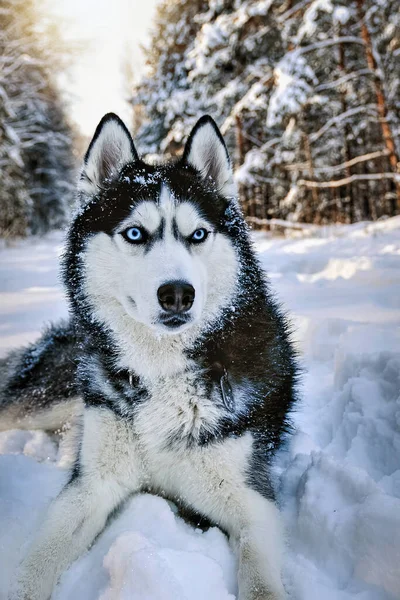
(174,321)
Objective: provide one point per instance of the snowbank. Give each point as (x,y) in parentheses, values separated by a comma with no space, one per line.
(339,478)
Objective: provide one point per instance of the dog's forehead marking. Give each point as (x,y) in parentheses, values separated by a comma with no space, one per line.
(167,198)
(167,204)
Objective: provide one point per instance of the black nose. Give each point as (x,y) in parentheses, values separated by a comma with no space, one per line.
(176,296)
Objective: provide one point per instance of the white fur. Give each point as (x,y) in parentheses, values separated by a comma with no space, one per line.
(111,151)
(187,217)
(208,155)
(146,214)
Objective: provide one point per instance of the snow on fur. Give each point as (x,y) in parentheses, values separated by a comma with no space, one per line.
(339,479)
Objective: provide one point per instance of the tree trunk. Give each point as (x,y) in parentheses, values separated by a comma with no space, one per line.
(313,215)
(239,141)
(380,97)
(346,147)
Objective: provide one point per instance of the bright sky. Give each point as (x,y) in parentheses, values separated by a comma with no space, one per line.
(108,31)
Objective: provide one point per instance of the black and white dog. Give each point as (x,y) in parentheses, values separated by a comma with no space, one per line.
(176,363)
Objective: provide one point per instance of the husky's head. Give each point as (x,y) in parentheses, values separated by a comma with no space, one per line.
(150,243)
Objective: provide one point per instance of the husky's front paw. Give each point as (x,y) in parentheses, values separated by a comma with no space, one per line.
(260,591)
(262,594)
(21,595)
(28,587)
(18,593)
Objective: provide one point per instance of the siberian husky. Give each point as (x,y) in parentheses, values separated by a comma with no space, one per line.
(176,364)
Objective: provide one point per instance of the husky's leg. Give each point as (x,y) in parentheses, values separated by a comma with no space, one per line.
(107,473)
(258,540)
(38,387)
(253,525)
(215,483)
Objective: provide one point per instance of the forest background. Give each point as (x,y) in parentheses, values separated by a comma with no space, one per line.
(307,95)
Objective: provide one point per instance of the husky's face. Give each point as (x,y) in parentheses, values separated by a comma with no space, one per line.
(155,248)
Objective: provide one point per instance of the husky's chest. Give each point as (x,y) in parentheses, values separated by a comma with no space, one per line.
(180,411)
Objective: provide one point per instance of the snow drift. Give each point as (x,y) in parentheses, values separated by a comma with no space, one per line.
(338,480)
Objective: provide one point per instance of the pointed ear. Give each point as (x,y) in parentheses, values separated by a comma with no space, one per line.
(110,150)
(205,150)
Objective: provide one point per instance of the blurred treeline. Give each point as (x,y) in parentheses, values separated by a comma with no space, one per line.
(307,94)
(36,141)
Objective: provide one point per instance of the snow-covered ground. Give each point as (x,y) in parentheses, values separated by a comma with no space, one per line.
(339,479)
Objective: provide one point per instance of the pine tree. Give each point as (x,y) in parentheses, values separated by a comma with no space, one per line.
(328,121)
(162,93)
(231,68)
(36,157)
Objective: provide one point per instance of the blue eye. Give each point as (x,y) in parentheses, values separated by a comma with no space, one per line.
(198,236)
(135,235)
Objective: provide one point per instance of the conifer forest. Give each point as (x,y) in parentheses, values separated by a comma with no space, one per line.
(306,93)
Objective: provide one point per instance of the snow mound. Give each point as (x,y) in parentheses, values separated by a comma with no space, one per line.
(148,552)
(343,480)
(142,569)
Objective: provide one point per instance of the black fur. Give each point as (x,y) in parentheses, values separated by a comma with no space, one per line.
(43,373)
